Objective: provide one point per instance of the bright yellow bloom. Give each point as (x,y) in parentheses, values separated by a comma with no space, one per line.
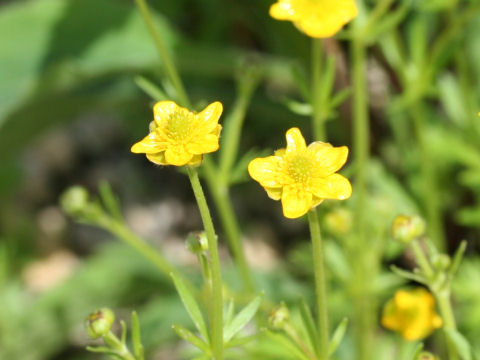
(302,177)
(181,137)
(316,18)
(412,314)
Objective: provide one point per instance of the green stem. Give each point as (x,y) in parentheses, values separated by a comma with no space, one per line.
(230,225)
(422,259)
(123,233)
(318,120)
(446,312)
(430,189)
(170,68)
(320,284)
(216,316)
(361,150)
(120,348)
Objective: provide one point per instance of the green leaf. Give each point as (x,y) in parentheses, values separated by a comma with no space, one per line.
(287,344)
(228,312)
(461,344)
(242,318)
(110,200)
(457,258)
(298,107)
(308,322)
(149,88)
(418,350)
(338,336)
(123,337)
(187,335)
(104,350)
(136,338)
(191,305)
(408,275)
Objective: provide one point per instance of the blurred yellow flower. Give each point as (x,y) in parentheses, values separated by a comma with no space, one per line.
(181,137)
(302,177)
(316,18)
(412,314)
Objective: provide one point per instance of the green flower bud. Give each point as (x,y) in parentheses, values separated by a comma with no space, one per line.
(74,200)
(278,317)
(407,228)
(197,242)
(426,356)
(99,323)
(441,261)
(339,221)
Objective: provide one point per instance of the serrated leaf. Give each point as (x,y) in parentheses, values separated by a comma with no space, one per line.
(242,318)
(460,342)
(191,305)
(190,337)
(337,336)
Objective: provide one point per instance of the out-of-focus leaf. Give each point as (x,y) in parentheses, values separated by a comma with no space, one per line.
(461,344)
(242,318)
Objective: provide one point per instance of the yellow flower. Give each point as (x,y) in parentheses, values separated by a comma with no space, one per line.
(412,314)
(181,137)
(302,177)
(316,18)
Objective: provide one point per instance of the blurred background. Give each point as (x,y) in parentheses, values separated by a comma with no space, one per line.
(72,104)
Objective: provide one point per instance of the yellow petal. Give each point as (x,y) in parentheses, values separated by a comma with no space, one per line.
(295,141)
(177,155)
(163,110)
(295,201)
(150,144)
(208,118)
(328,159)
(267,171)
(283,10)
(196,160)
(203,145)
(274,193)
(158,158)
(334,186)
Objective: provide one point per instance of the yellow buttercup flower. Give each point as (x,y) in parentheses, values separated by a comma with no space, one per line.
(181,137)
(316,18)
(300,176)
(412,314)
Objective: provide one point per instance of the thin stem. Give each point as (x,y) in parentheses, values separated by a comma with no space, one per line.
(320,284)
(216,316)
(318,120)
(446,311)
(169,65)
(230,225)
(422,259)
(430,188)
(120,348)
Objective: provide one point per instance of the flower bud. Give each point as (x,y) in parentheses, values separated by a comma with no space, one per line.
(197,242)
(407,228)
(278,317)
(441,261)
(426,356)
(74,200)
(339,221)
(99,323)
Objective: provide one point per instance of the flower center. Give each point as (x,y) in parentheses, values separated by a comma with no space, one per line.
(300,168)
(179,127)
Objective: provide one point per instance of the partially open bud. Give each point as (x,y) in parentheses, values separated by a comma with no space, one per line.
(99,323)
(74,200)
(278,317)
(197,242)
(407,228)
(426,356)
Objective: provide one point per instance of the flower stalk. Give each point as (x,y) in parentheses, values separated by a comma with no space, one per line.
(318,120)
(320,284)
(216,314)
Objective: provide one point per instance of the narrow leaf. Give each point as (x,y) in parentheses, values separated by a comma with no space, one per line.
(136,338)
(110,200)
(287,344)
(309,323)
(408,275)
(150,88)
(242,318)
(338,336)
(123,338)
(191,305)
(418,350)
(190,337)
(240,341)
(457,258)
(461,344)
